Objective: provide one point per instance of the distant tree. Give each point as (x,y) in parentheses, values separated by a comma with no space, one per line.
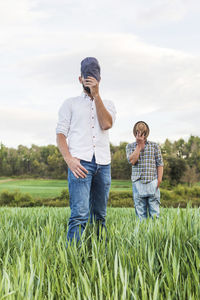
(181,161)
(190,175)
(177,167)
(167,148)
(120,168)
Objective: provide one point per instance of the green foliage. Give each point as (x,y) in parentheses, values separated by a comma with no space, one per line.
(120,168)
(45,161)
(155,259)
(16,199)
(187,191)
(179,196)
(177,166)
(120,199)
(181,161)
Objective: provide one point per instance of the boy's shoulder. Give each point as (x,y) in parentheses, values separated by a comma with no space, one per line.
(153,144)
(149,142)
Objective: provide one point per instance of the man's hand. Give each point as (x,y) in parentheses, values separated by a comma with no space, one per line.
(93,84)
(140,140)
(77,169)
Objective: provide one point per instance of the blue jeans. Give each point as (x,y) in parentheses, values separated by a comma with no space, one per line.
(146,205)
(88,197)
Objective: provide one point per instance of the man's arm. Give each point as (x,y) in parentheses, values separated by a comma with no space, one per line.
(73,163)
(104,117)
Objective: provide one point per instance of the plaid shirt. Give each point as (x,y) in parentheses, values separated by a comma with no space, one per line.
(150,158)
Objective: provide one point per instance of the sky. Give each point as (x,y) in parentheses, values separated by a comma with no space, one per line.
(149,53)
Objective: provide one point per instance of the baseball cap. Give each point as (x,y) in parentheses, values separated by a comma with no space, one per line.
(90,67)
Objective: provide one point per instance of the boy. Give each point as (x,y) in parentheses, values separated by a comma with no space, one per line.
(147,172)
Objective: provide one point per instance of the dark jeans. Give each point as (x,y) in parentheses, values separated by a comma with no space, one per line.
(88,197)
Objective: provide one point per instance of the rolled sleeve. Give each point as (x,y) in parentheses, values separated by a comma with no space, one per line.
(111,109)
(64,118)
(158,156)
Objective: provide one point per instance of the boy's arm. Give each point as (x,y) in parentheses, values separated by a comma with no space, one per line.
(160,175)
(159,164)
(133,158)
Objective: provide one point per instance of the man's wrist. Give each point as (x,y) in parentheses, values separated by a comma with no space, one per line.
(67,158)
(96,96)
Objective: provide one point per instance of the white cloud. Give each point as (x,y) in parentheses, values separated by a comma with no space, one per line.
(44,42)
(164,10)
(16,13)
(145,75)
(26,126)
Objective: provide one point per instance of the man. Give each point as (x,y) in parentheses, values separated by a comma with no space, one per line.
(84,121)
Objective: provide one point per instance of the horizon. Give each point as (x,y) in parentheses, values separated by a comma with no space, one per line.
(115,145)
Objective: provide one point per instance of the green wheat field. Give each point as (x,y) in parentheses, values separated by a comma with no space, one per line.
(156,259)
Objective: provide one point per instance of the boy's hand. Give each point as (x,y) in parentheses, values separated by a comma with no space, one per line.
(159,182)
(140,140)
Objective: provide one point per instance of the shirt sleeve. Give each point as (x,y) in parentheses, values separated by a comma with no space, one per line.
(64,118)
(111,109)
(129,150)
(158,156)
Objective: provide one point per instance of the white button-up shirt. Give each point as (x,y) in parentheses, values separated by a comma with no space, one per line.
(79,123)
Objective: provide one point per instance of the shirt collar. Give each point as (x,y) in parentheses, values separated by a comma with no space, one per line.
(85,95)
(146,143)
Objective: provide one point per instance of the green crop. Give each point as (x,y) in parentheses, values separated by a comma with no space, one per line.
(154,259)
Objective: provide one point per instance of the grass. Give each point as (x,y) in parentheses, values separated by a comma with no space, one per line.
(157,259)
(49,188)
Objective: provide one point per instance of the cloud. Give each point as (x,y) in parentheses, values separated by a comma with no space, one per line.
(146,76)
(163,11)
(41,49)
(16,13)
(26,126)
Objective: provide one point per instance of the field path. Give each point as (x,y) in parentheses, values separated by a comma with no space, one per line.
(7,180)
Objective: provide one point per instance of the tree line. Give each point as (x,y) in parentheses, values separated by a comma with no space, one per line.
(181,161)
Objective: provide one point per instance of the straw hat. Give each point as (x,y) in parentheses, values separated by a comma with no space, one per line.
(141,126)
